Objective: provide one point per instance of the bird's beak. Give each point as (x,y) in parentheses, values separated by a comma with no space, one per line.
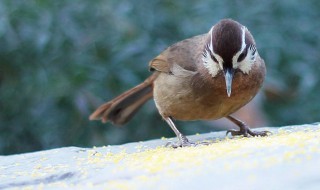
(228,75)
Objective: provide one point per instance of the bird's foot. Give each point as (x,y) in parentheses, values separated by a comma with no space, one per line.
(184,142)
(246,132)
(180,144)
(244,129)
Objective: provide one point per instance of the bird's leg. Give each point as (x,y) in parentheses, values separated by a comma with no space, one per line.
(183,140)
(244,129)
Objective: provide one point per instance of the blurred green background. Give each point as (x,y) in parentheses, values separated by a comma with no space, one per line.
(60,59)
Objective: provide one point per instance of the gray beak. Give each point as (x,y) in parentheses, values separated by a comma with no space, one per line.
(228,75)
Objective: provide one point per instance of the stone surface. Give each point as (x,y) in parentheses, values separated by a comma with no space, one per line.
(288,159)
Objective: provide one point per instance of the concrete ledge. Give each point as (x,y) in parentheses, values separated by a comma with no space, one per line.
(288,159)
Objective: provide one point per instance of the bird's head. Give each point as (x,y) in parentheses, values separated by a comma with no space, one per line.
(229,48)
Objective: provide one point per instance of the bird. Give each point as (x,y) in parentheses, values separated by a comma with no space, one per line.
(205,77)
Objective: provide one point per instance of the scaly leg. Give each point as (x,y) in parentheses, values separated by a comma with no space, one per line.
(183,140)
(244,129)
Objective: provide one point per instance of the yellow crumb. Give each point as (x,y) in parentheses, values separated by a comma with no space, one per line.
(298,145)
(151,164)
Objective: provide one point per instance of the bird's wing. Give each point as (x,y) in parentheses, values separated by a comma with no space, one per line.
(181,55)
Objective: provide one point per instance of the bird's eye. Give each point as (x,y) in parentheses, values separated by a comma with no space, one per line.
(213,58)
(242,55)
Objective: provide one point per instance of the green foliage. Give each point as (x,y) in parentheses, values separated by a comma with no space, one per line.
(60,59)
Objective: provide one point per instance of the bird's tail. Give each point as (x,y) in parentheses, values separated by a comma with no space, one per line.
(122,108)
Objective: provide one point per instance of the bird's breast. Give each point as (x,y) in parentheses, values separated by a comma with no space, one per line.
(200,98)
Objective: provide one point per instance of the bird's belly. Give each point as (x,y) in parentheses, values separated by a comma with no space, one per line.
(189,108)
(176,97)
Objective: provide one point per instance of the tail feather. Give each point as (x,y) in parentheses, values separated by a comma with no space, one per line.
(122,108)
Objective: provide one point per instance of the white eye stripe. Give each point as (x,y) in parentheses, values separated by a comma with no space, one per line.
(210,45)
(208,62)
(219,58)
(243,38)
(246,64)
(243,46)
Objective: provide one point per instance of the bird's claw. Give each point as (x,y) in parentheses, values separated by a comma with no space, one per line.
(247,132)
(234,132)
(180,144)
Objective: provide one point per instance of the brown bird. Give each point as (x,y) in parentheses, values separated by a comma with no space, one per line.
(206,77)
